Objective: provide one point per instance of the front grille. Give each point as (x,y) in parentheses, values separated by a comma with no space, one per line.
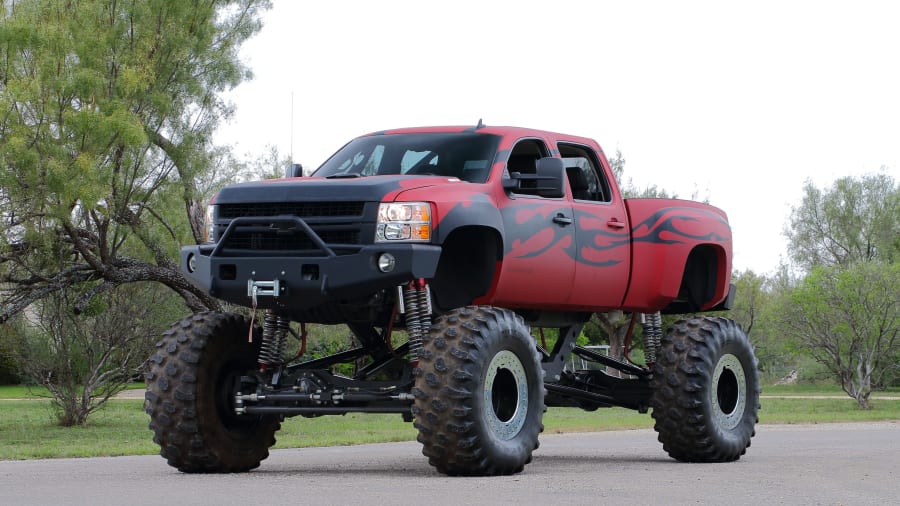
(301,209)
(336,223)
(270,241)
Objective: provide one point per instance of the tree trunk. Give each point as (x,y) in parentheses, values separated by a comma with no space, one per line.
(615,324)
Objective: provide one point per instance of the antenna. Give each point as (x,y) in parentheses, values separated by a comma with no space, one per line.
(292,127)
(294,169)
(479,125)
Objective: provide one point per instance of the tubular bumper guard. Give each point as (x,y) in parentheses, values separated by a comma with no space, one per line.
(302,281)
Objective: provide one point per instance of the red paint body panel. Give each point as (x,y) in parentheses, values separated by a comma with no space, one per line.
(603,270)
(664,232)
(537,269)
(593,265)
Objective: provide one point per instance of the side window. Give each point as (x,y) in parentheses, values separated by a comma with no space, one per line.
(524,156)
(523,159)
(585,176)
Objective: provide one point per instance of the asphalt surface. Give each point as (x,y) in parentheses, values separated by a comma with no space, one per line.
(829,464)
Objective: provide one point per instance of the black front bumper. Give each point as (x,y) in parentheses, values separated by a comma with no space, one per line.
(300,282)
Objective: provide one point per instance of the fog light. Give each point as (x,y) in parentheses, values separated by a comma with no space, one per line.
(191,263)
(386,262)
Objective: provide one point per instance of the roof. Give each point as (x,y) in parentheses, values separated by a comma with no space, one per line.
(505,131)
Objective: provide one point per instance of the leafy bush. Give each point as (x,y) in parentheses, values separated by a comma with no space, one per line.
(85,359)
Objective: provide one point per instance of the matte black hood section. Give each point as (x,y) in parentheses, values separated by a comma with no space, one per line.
(365,189)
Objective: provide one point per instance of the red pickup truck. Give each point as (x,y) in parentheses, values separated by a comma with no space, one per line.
(445,250)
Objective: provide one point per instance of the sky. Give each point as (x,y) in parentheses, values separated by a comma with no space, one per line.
(739,103)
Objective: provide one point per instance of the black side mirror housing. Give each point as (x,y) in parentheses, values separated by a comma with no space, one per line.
(294,170)
(552,174)
(547,181)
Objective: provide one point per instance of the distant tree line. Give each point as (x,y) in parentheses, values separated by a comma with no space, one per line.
(838,303)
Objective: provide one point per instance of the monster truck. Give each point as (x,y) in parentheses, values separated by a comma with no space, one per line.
(447,252)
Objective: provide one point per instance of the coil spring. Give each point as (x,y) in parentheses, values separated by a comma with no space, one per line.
(274,338)
(652,335)
(418,316)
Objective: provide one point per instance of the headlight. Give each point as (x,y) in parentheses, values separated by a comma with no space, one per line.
(403,221)
(209,224)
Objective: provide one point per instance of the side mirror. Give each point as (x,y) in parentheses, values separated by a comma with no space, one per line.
(547,181)
(294,170)
(552,176)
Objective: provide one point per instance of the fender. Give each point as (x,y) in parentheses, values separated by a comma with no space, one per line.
(466,221)
(663,234)
(478,210)
(457,204)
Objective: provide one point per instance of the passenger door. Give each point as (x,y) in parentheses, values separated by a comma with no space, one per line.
(537,270)
(602,235)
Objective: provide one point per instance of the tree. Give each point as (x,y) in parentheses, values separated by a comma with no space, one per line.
(849,320)
(106,114)
(10,368)
(749,299)
(856,220)
(629,190)
(85,359)
(758,307)
(617,165)
(231,169)
(832,232)
(269,165)
(614,325)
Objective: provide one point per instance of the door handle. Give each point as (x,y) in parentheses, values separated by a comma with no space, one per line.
(562,219)
(614,223)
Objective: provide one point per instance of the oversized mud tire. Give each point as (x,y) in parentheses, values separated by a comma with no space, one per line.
(705,391)
(190,396)
(479,393)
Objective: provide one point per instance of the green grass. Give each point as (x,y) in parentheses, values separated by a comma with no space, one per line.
(22,392)
(826,411)
(39,392)
(28,431)
(820,389)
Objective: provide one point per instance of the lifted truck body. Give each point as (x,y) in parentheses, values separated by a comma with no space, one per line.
(513,240)
(462,236)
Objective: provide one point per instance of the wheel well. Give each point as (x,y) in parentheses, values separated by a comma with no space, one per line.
(698,282)
(466,269)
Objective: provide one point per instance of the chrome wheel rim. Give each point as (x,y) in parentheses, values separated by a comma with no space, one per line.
(729,392)
(505,395)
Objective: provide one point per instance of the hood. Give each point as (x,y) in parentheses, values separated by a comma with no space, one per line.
(365,189)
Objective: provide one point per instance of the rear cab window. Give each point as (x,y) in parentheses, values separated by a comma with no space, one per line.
(584,172)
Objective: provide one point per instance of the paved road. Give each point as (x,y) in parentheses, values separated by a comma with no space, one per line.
(830,464)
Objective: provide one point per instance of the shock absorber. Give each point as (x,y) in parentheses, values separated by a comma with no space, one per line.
(417,308)
(274,337)
(652,335)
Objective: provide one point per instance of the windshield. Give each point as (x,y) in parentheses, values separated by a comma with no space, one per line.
(465,155)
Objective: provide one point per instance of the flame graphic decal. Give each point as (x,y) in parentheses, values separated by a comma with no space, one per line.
(677,225)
